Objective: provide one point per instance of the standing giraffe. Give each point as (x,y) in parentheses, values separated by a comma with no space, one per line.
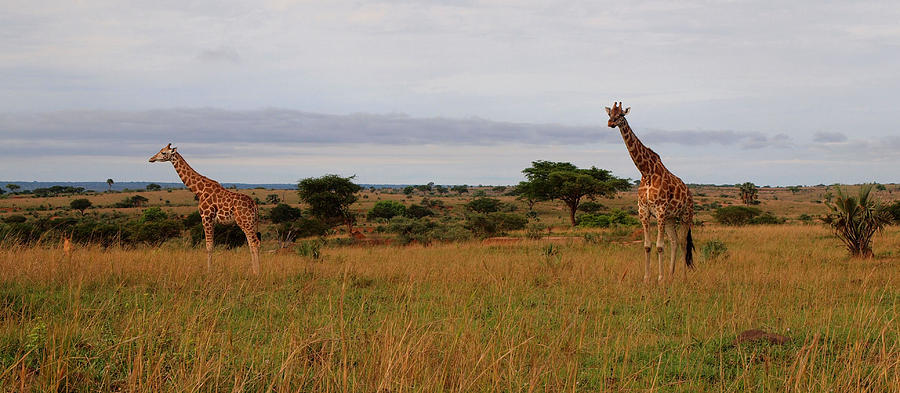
(216,204)
(661,194)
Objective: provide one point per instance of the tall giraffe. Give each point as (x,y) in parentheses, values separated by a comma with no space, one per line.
(661,194)
(216,204)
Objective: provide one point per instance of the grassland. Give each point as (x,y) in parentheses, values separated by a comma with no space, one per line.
(459,317)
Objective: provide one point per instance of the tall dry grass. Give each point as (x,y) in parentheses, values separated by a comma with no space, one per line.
(453,318)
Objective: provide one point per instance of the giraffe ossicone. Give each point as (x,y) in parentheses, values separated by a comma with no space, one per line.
(660,194)
(215,203)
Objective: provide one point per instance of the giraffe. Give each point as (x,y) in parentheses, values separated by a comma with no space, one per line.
(216,204)
(660,194)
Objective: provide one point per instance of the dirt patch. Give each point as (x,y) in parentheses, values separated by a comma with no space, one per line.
(758,335)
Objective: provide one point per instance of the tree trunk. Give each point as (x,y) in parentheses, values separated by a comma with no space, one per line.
(573,206)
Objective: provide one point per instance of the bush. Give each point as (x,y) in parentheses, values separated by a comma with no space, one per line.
(894,210)
(408,230)
(153,232)
(615,217)
(229,235)
(491,224)
(310,249)
(591,207)
(736,215)
(154,214)
(386,210)
(284,213)
(484,205)
(304,227)
(15,218)
(713,249)
(418,211)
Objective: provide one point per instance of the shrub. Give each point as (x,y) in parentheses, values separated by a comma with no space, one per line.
(615,217)
(386,210)
(485,225)
(894,210)
(451,233)
(713,249)
(153,232)
(856,220)
(284,213)
(153,214)
(409,230)
(229,235)
(15,218)
(591,207)
(767,218)
(484,205)
(736,215)
(310,249)
(418,211)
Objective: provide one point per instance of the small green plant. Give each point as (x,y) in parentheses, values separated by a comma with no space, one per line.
(713,250)
(310,249)
(535,231)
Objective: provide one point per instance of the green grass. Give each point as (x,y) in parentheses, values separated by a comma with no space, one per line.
(453,318)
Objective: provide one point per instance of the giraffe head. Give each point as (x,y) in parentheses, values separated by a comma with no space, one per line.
(165,154)
(616,115)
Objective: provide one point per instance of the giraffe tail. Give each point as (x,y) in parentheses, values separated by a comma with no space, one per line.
(689,251)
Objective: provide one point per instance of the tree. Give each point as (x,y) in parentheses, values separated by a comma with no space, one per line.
(409,190)
(272,199)
(460,189)
(153,187)
(80,204)
(440,189)
(569,184)
(794,189)
(12,187)
(749,193)
(138,200)
(109,183)
(329,198)
(856,220)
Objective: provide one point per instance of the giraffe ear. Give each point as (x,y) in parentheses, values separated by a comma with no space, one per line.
(608,110)
(168,146)
(625,112)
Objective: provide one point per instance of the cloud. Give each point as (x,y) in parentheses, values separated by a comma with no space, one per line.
(220,55)
(829,137)
(745,140)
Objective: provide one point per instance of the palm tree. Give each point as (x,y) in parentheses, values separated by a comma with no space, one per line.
(749,193)
(856,220)
(109,182)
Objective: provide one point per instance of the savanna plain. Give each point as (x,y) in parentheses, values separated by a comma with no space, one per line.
(560,313)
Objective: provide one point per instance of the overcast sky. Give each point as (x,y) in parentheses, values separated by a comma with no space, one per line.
(780,93)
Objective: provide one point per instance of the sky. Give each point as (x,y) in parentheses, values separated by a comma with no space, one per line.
(454,92)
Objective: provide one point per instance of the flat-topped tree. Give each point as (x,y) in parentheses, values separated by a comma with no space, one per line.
(563,181)
(216,204)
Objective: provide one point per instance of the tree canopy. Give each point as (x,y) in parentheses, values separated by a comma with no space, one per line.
(80,204)
(564,181)
(329,198)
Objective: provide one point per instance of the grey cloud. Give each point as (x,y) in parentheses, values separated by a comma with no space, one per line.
(746,140)
(206,125)
(826,137)
(220,55)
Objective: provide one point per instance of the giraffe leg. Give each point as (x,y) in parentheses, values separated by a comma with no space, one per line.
(208,227)
(672,233)
(253,242)
(648,245)
(661,230)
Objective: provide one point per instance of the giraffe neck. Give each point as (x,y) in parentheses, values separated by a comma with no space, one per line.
(188,175)
(645,160)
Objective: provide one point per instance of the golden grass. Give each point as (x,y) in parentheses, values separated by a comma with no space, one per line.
(453,318)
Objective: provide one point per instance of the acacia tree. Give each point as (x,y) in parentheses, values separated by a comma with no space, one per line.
(749,193)
(563,181)
(80,204)
(329,198)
